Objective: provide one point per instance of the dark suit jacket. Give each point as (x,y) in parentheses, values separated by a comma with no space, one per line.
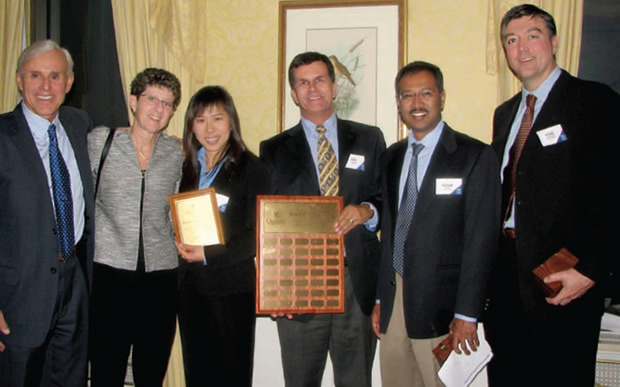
(451,240)
(28,245)
(230,268)
(566,194)
(289,161)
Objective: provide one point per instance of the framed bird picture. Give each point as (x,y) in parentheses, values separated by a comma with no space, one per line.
(364,40)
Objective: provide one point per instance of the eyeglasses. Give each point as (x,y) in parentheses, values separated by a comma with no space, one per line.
(425,95)
(154,101)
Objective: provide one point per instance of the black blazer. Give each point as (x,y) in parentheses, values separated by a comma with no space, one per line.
(452,238)
(289,162)
(565,192)
(230,268)
(28,244)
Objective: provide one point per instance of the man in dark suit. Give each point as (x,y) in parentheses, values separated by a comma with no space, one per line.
(439,224)
(554,141)
(46,215)
(291,158)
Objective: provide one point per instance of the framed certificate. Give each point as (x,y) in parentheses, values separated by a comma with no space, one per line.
(300,258)
(196,218)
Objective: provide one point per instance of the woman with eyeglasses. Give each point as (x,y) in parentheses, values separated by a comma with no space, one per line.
(134,293)
(218,283)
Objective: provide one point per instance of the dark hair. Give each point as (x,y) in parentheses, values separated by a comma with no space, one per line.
(527,10)
(205,98)
(416,67)
(306,58)
(157,77)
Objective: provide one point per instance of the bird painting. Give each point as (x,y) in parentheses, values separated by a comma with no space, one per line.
(341,69)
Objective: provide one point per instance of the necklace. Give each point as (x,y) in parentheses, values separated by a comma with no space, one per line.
(142,155)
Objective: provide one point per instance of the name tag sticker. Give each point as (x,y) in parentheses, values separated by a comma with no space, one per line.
(222,202)
(355,162)
(449,186)
(551,135)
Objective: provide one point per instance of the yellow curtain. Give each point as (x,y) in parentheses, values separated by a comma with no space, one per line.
(13,39)
(568,15)
(166,34)
(170,35)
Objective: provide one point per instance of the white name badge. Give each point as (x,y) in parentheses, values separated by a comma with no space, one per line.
(551,135)
(356,162)
(449,186)
(222,202)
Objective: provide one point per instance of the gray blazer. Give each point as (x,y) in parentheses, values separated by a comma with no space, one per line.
(117,206)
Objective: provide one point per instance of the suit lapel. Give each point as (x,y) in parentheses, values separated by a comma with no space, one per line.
(301,158)
(24,142)
(80,150)
(445,147)
(553,108)
(500,137)
(394,169)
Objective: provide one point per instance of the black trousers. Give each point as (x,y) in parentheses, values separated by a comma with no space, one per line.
(554,346)
(217,333)
(131,308)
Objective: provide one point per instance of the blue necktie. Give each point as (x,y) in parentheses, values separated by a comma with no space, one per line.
(63,201)
(405,211)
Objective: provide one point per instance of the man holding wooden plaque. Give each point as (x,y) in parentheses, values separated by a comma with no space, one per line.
(324,155)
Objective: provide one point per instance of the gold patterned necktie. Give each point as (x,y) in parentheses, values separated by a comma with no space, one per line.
(328,165)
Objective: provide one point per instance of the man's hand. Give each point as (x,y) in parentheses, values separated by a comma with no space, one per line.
(4,328)
(191,253)
(281,315)
(574,285)
(352,216)
(375,319)
(464,331)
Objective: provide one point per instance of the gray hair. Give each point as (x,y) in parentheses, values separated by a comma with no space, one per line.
(39,48)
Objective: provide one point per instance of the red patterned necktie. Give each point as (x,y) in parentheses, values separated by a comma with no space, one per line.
(517,147)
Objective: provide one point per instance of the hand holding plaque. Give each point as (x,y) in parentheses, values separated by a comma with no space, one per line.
(196,218)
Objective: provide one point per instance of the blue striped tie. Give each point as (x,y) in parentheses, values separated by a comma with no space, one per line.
(405,211)
(63,201)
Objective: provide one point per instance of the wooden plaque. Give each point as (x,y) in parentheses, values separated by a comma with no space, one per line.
(196,218)
(300,258)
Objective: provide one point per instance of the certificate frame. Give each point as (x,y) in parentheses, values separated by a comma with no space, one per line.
(302,270)
(183,208)
(367,37)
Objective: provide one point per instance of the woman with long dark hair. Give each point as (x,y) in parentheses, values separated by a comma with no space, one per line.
(218,283)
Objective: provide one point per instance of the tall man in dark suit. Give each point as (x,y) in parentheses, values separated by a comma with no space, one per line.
(439,224)
(46,215)
(291,158)
(554,142)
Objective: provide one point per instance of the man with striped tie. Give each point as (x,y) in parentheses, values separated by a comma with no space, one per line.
(439,224)
(46,220)
(325,155)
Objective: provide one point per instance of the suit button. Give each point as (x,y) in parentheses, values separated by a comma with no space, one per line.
(393,283)
(53,270)
(54,230)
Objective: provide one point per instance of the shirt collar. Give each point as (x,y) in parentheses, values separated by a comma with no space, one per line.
(37,124)
(331,127)
(430,140)
(544,89)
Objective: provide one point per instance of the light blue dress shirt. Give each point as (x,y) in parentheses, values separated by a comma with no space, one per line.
(38,127)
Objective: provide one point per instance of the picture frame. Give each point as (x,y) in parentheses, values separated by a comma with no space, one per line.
(364,39)
(196,218)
